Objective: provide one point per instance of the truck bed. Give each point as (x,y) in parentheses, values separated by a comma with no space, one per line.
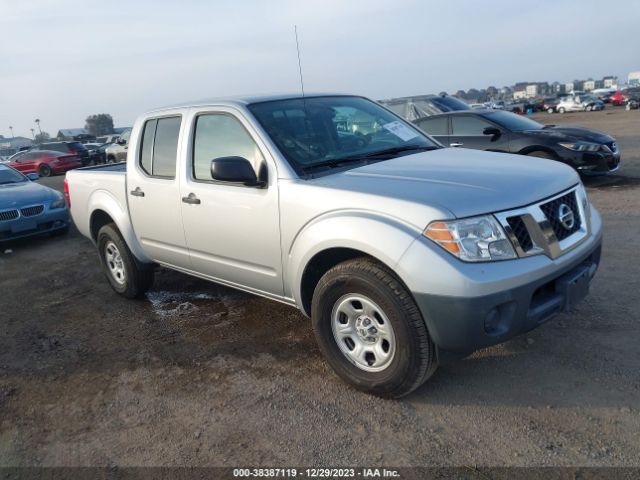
(112,167)
(87,184)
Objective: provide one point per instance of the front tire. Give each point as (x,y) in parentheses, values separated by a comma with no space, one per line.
(561,110)
(370,329)
(126,275)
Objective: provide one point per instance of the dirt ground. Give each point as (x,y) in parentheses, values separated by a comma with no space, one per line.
(198,374)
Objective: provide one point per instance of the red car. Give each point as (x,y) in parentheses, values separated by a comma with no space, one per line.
(622,97)
(44,162)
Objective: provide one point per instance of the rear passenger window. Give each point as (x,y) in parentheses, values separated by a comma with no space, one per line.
(159,148)
(147,145)
(434,126)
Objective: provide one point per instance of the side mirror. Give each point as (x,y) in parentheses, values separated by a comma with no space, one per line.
(494,131)
(121,141)
(235,170)
(33,176)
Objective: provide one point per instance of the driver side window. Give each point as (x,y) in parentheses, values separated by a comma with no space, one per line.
(221,135)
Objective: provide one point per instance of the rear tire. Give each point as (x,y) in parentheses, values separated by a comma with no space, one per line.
(550,110)
(44,171)
(111,159)
(127,276)
(370,329)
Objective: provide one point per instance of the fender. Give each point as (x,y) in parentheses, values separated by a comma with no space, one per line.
(105,201)
(383,237)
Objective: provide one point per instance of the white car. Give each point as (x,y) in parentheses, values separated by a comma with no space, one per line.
(579,103)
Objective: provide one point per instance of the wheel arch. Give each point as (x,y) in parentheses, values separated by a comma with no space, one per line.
(106,209)
(538,148)
(320,247)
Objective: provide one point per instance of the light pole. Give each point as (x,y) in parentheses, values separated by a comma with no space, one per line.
(37,120)
(33,133)
(11,128)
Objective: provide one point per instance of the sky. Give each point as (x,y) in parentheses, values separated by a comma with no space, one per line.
(63,60)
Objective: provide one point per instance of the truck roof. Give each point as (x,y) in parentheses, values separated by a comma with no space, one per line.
(243,100)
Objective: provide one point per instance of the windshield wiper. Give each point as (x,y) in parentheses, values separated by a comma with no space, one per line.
(365,157)
(396,150)
(336,162)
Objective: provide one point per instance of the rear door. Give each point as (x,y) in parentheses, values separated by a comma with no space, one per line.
(467,131)
(154,192)
(437,127)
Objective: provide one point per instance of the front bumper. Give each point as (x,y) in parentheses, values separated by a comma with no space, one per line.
(468,324)
(470,306)
(47,222)
(592,163)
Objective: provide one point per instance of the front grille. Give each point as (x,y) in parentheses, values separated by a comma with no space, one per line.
(32,211)
(552,212)
(8,215)
(520,231)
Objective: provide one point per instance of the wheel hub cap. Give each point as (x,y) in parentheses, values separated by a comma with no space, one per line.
(115,265)
(363,332)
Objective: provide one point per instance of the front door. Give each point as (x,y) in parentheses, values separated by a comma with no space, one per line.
(26,163)
(467,131)
(153,191)
(232,230)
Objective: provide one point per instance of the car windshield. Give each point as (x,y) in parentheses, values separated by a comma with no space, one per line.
(513,122)
(9,175)
(323,132)
(450,104)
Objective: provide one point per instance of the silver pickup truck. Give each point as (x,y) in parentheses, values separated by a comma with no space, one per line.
(404,254)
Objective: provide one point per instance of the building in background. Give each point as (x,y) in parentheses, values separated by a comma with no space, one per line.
(11,145)
(79,134)
(634,79)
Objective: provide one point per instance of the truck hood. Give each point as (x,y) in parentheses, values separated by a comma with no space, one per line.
(462,181)
(571,133)
(17,195)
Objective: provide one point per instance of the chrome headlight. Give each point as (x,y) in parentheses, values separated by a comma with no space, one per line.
(476,239)
(582,146)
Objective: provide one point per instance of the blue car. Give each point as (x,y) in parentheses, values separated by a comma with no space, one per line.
(28,208)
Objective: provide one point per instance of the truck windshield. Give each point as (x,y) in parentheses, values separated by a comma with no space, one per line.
(324,132)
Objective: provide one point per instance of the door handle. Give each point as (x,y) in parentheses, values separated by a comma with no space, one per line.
(191,199)
(456,144)
(137,192)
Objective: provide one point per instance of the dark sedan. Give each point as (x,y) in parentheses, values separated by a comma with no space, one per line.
(588,151)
